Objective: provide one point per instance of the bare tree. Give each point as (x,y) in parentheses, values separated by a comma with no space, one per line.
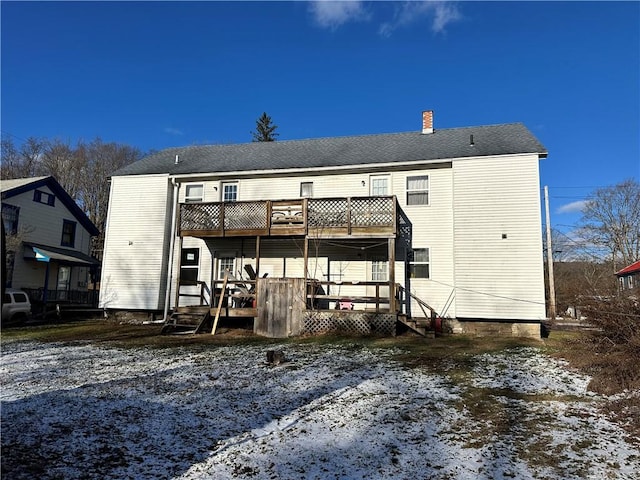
(101,160)
(61,161)
(611,220)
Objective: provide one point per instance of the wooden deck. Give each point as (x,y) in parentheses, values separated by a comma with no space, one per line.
(317,218)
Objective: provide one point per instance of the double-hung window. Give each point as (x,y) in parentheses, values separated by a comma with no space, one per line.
(194,193)
(68,233)
(419,266)
(10,215)
(418,190)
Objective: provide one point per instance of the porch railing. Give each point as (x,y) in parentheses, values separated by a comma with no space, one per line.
(302,216)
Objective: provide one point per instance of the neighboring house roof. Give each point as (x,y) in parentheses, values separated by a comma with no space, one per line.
(11,188)
(633,268)
(512,138)
(61,254)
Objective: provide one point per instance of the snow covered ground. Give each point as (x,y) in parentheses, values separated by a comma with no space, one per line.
(81,411)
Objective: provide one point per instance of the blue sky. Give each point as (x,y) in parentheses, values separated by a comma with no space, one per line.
(160,74)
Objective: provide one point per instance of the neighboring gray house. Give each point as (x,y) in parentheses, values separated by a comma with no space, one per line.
(48,240)
(432,223)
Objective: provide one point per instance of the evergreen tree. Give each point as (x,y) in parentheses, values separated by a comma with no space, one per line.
(265,130)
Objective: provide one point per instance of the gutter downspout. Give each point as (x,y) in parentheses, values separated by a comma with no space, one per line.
(174,214)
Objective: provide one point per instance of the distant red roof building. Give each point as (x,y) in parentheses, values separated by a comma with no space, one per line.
(629,277)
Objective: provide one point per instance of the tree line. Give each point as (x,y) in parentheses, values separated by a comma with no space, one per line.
(83,170)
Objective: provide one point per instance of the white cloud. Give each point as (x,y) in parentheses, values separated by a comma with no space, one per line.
(441,13)
(332,14)
(573,207)
(173,131)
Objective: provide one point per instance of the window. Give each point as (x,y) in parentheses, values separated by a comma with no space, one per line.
(418,190)
(189,265)
(419,263)
(68,233)
(229,192)
(10,216)
(306,189)
(379,271)
(379,185)
(194,193)
(224,264)
(44,197)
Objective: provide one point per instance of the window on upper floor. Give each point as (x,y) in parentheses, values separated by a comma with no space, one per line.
(10,215)
(379,185)
(44,197)
(68,233)
(189,264)
(230,192)
(418,190)
(419,263)
(194,193)
(306,189)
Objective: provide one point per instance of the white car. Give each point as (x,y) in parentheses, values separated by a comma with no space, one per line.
(16,307)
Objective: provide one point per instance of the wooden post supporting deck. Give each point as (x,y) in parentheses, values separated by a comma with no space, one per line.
(220,300)
(392,275)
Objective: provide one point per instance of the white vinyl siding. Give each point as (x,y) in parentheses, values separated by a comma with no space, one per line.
(137,243)
(496,277)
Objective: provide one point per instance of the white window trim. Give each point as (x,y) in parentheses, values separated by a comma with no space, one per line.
(193,198)
(225,256)
(428,263)
(222,187)
(409,191)
(386,177)
(375,272)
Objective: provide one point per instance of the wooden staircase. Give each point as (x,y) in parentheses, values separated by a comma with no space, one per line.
(425,326)
(421,326)
(186,320)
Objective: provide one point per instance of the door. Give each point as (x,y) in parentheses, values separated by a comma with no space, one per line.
(64,282)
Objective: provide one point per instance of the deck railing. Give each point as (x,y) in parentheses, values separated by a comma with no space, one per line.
(358,216)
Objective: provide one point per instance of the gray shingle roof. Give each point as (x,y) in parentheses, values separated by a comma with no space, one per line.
(449,143)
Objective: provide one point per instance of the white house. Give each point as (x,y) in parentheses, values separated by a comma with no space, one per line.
(432,221)
(48,240)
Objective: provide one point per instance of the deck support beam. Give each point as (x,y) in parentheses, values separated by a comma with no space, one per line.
(392,275)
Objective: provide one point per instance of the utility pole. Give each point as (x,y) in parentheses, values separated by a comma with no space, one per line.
(552,287)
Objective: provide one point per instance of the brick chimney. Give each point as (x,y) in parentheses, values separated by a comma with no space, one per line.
(427,121)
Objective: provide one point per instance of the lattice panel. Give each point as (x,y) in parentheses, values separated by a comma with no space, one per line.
(327,213)
(354,322)
(241,216)
(199,216)
(372,212)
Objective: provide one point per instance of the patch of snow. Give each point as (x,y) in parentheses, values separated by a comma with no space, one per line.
(84,411)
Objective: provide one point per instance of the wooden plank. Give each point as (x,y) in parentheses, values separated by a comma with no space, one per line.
(220,300)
